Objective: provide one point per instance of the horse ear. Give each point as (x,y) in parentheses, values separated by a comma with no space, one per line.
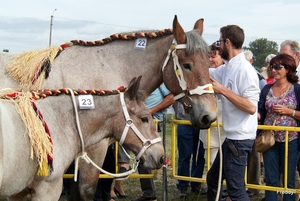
(199,26)
(133,88)
(178,32)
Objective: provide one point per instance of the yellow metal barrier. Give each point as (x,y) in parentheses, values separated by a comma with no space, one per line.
(283,189)
(203,180)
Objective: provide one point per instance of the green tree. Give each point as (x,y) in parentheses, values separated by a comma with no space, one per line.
(261,48)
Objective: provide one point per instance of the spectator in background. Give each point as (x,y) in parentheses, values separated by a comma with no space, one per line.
(263,71)
(189,147)
(253,163)
(104,184)
(280,103)
(123,164)
(157,102)
(215,60)
(270,79)
(292,48)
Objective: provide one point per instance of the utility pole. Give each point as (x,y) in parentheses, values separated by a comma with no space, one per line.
(51,22)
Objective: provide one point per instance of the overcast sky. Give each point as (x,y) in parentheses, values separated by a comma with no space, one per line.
(25,25)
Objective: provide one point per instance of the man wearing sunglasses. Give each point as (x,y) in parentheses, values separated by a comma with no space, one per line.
(238,85)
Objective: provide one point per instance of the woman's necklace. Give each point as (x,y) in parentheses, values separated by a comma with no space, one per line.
(278,90)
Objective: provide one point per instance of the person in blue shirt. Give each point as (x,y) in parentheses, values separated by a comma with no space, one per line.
(157,102)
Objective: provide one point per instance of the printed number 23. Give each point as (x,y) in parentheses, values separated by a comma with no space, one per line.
(86,102)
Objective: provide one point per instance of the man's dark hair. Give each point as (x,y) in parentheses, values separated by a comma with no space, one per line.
(235,34)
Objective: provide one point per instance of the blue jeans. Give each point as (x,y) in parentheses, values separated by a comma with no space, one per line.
(187,141)
(233,171)
(274,166)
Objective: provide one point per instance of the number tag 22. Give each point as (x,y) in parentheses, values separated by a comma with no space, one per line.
(140,43)
(86,102)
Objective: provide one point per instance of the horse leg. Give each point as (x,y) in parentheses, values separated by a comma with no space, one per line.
(22,196)
(88,174)
(47,190)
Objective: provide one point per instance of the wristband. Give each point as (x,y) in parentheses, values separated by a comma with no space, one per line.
(293,113)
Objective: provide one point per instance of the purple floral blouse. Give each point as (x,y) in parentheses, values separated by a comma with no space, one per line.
(281,120)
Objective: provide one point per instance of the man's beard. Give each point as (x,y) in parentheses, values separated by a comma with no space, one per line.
(225,54)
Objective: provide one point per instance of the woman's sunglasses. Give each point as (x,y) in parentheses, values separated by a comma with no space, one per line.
(276,67)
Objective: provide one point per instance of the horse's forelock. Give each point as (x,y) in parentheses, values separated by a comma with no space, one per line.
(141,96)
(195,42)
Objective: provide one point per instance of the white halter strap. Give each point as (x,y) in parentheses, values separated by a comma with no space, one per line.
(129,124)
(208,88)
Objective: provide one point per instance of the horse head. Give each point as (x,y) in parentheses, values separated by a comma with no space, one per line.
(189,73)
(140,133)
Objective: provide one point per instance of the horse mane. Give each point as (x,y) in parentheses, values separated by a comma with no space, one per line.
(120,36)
(195,42)
(32,67)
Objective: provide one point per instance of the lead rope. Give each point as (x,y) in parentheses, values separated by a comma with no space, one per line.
(221,155)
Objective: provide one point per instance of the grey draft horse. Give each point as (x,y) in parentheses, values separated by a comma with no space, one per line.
(19,167)
(175,57)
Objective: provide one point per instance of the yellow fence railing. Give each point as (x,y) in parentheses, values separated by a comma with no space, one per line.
(283,189)
(175,122)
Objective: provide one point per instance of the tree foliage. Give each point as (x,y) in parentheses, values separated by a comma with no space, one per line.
(261,48)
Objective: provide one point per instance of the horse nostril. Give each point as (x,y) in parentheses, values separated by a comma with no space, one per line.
(162,160)
(206,119)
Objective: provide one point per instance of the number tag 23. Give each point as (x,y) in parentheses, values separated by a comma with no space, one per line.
(86,102)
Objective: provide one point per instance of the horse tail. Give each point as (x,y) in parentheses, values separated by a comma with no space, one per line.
(32,67)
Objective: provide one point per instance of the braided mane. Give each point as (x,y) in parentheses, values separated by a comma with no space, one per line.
(120,36)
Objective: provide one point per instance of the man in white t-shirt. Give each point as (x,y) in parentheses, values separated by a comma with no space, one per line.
(237,82)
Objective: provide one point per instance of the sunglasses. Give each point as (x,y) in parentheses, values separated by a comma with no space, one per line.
(276,67)
(218,43)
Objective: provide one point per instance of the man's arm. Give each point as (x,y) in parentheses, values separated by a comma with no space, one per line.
(168,100)
(242,103)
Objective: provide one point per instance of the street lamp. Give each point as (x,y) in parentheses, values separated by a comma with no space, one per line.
(51,20)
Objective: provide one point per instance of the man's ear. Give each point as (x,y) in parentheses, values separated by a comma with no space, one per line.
(297,55)
(251,61)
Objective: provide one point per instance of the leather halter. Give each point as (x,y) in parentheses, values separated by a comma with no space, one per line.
(208,88)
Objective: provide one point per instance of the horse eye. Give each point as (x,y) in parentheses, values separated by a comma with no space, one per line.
(144,119)
(187,66)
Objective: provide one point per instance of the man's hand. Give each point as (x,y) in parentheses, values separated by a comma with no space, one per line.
(218,88)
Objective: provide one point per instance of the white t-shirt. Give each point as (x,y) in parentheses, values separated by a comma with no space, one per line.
(239,77)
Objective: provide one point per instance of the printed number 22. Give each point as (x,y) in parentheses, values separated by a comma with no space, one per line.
(141,43)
